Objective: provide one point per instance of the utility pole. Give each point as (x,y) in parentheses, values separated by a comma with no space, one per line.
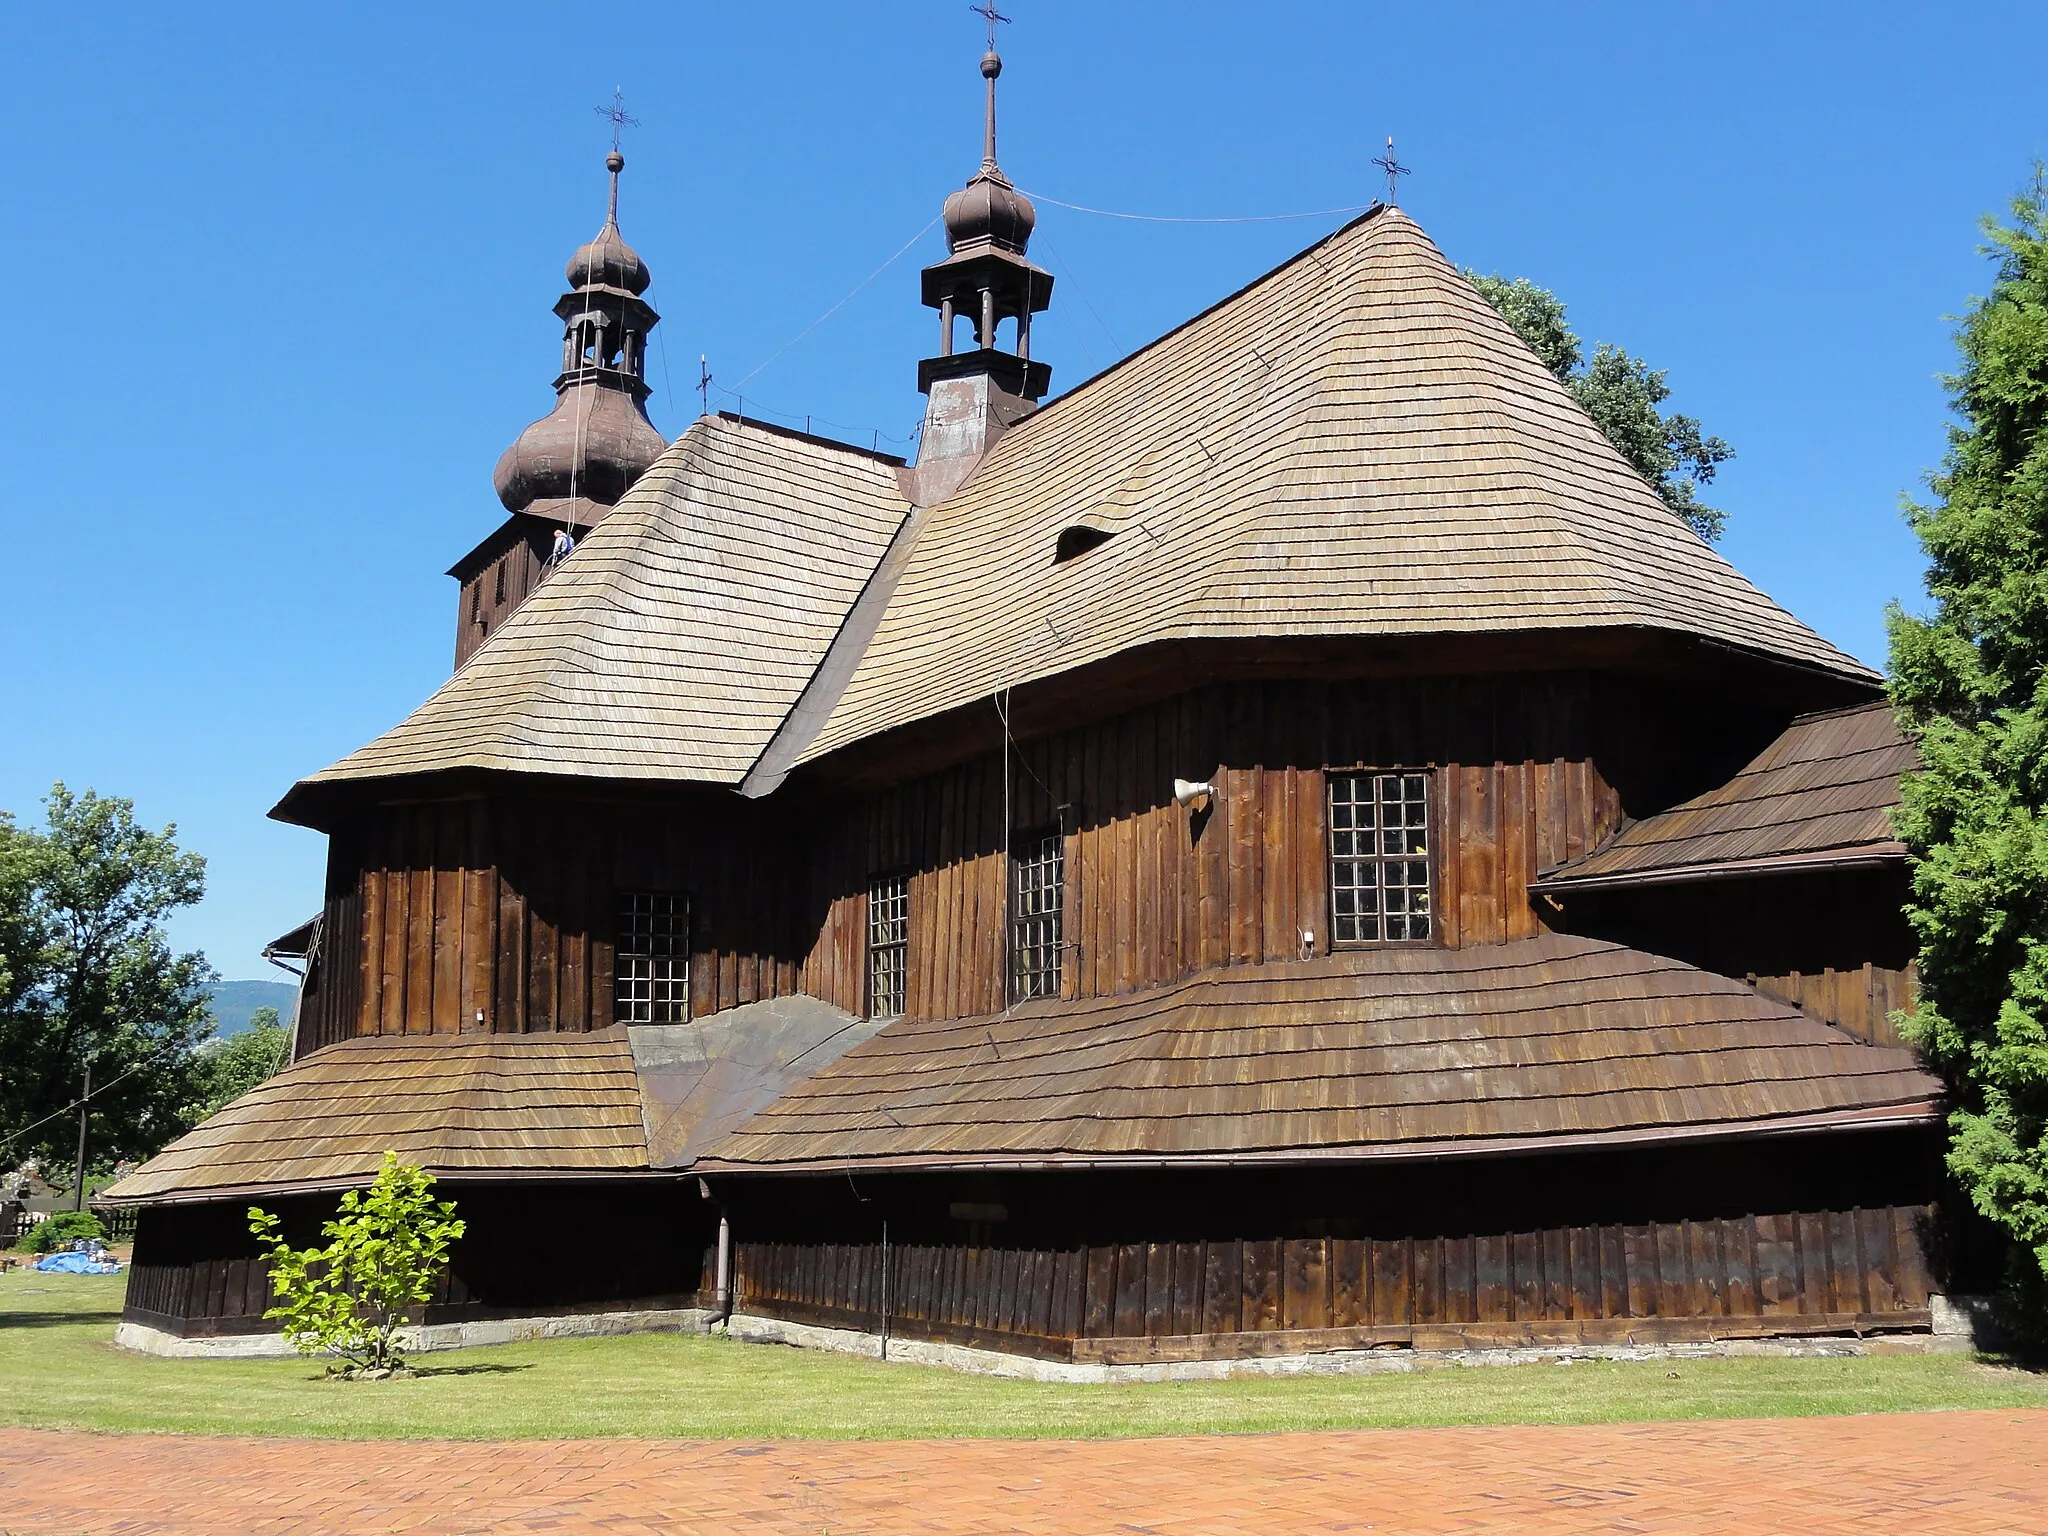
(84,1109)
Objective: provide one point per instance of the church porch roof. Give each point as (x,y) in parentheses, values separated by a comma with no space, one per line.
(1544,1044)
(1818,797)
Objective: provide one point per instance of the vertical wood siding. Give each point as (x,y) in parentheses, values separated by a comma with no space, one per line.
(1861,1000)
(1155,892)
(1744,1276)
(501,914)
(505,908)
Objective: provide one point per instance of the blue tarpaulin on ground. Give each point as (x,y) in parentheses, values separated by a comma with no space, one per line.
(76,1264)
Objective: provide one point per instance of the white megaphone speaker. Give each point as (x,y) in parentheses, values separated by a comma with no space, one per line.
(1185,794)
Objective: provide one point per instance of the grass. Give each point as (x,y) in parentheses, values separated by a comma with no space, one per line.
(60,1369)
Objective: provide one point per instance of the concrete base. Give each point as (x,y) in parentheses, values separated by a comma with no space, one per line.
(1341,1362)
(1958,1323)
(427,1339)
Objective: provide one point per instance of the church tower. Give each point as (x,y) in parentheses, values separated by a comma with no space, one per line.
(569,469)
(986,279)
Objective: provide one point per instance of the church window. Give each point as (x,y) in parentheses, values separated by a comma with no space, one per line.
(651,974)
(1379,857)
(1038,893)
(888,945)
(501,584)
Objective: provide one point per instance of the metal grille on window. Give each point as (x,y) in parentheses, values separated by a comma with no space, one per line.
(1037,897)
(1379,857)
(888,945)
(651,975)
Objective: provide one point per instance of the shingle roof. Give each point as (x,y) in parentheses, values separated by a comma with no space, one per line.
(1357,444)
(676,638)
(501,1105)
(1821,794)
(1354,445)
(1548,1042)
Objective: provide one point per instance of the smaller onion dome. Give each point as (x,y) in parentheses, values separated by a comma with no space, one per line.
(989,208)
(608,261)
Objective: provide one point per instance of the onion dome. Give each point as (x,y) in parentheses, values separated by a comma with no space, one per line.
(580,458)
(591,447)
(607,261)
(989,208)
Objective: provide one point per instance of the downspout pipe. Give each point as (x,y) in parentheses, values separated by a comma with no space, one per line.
(722,1299)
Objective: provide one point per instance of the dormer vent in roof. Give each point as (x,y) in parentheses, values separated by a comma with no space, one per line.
(985,279)
(577,461)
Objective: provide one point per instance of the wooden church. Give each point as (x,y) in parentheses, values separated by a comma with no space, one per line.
(1286,847)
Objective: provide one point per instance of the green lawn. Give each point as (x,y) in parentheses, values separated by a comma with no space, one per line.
(59,1368)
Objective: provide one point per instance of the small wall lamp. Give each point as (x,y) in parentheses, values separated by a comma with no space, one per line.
(1186,794)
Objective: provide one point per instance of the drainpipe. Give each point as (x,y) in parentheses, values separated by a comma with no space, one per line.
(723,1298)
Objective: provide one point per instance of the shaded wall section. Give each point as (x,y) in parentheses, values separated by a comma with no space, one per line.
(531,1248)
(1668,1245)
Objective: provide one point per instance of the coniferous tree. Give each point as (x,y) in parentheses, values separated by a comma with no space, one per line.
(1971,683)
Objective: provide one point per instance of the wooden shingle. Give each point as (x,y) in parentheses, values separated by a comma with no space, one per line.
(1554,1041)
(1355,445)
(673,642)
(500,1106)
(1819,796)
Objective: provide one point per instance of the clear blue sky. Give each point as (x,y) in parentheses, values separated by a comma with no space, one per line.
(282,278)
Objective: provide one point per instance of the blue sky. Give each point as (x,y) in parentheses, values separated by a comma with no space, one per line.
(283,276)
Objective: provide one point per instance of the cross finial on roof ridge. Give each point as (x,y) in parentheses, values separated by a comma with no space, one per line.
(1393,167)
(617,115)
(988,12)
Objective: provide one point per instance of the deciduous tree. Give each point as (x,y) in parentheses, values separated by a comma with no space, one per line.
(1623,395)
(90,980)
(385,1249)
(230,1068)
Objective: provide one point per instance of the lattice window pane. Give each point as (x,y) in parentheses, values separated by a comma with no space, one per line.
(888,945)
(651,972)
(1038,893)
(1379,858)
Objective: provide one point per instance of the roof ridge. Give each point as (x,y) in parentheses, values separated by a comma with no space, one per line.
(1377,210)
(894,460)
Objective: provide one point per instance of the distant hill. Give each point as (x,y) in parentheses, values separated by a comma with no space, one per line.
(234,1001)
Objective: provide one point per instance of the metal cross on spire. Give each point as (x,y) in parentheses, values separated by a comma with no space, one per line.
(1394,168)
(617,115)
(987,12)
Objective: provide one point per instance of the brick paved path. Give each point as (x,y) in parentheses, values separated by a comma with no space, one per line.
(1934,1474)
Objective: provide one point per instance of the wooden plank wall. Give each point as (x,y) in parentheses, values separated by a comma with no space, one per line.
(331,999)
(1155,892)
(1792,1272)
(1861,1000)
(522,551)
(507,909)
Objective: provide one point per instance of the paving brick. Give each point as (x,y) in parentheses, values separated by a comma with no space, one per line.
(1942,1474)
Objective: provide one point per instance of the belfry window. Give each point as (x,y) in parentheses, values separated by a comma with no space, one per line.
(888,945)
(1038,894)
(1379,857)
(651,971)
